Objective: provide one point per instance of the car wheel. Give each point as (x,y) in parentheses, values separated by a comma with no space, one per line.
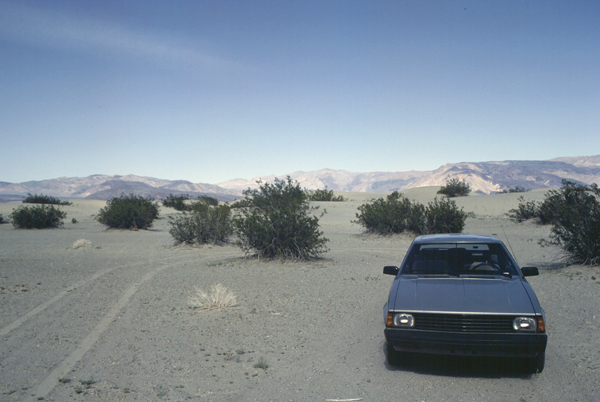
(536,364)
(393,356)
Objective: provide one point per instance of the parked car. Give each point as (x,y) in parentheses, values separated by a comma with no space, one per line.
(463,295)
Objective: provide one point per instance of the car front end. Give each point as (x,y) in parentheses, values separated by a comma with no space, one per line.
(463,295)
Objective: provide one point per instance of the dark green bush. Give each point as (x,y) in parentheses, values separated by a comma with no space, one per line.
(44,199)
(202,202)
(397,214)
(576,221)
(455,188)
(516,189)
(176,201)
(2,220)
(208,200)
(37,217)
(205,224)
(524,211)
(129,212)
(275,222)
(574,213)
(549,210)
(323,195)
(444,217)
(393,214)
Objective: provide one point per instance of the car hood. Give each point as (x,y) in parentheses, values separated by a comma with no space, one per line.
(468,295)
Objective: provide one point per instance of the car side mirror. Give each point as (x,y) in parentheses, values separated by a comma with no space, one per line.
(391,270)
(530,271)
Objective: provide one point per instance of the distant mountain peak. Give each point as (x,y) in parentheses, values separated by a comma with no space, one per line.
(483,177)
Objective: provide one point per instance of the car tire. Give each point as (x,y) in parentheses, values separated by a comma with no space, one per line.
(536,364)
(393,356)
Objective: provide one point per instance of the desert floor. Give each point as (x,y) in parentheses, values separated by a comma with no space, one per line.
(112,322)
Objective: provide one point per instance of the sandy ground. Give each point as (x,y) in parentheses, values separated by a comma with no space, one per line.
(112,322)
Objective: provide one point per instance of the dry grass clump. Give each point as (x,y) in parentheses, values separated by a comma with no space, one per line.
(82,243)
(218,298)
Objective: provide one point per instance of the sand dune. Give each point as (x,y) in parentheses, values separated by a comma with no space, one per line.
(112,321)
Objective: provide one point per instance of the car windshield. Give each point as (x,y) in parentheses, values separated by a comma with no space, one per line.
(458,259)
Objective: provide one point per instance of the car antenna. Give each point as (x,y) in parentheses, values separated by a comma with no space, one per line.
(509,245)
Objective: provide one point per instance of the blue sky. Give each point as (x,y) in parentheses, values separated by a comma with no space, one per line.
(208,91)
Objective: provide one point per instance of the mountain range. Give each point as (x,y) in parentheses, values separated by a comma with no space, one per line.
(483,177)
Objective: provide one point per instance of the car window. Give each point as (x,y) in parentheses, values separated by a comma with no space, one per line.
(459,258)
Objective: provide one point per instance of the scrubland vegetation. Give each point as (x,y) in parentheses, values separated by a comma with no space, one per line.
(574,213)
(397,214)
(515,189)
(323,195)
(275,221)
(455,188)
(205,224)
(37,217)
(44,199)
(129,212)
(178,202)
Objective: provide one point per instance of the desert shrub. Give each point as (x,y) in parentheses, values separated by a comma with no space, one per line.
(455,188)
(275,222)
(202,202)
(44,199)
(524,211)
(444,217)
(397,214)
(323,195)
(515,189)
(37,217)
(393,214)
(176,201)
(261,364)
(208,200)
(81,243)
(129,212)
(2,220)
(205,224)
(217,298)
(576,221)
(550,210)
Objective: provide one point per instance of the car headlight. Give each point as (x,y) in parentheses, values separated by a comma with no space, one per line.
(401,320)
(525,324)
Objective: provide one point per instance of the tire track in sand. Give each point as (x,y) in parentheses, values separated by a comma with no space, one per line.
(63,368)
(18,322)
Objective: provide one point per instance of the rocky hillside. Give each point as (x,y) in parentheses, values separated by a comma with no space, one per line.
(103,187)
(484,177)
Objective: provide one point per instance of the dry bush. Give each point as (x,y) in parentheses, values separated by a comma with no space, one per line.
(82,243)
(218,298)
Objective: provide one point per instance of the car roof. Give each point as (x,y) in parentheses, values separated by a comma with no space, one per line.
(455,238)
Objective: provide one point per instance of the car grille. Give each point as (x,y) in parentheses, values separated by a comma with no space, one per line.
(463,322)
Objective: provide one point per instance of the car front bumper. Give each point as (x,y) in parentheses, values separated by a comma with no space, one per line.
(474,344)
